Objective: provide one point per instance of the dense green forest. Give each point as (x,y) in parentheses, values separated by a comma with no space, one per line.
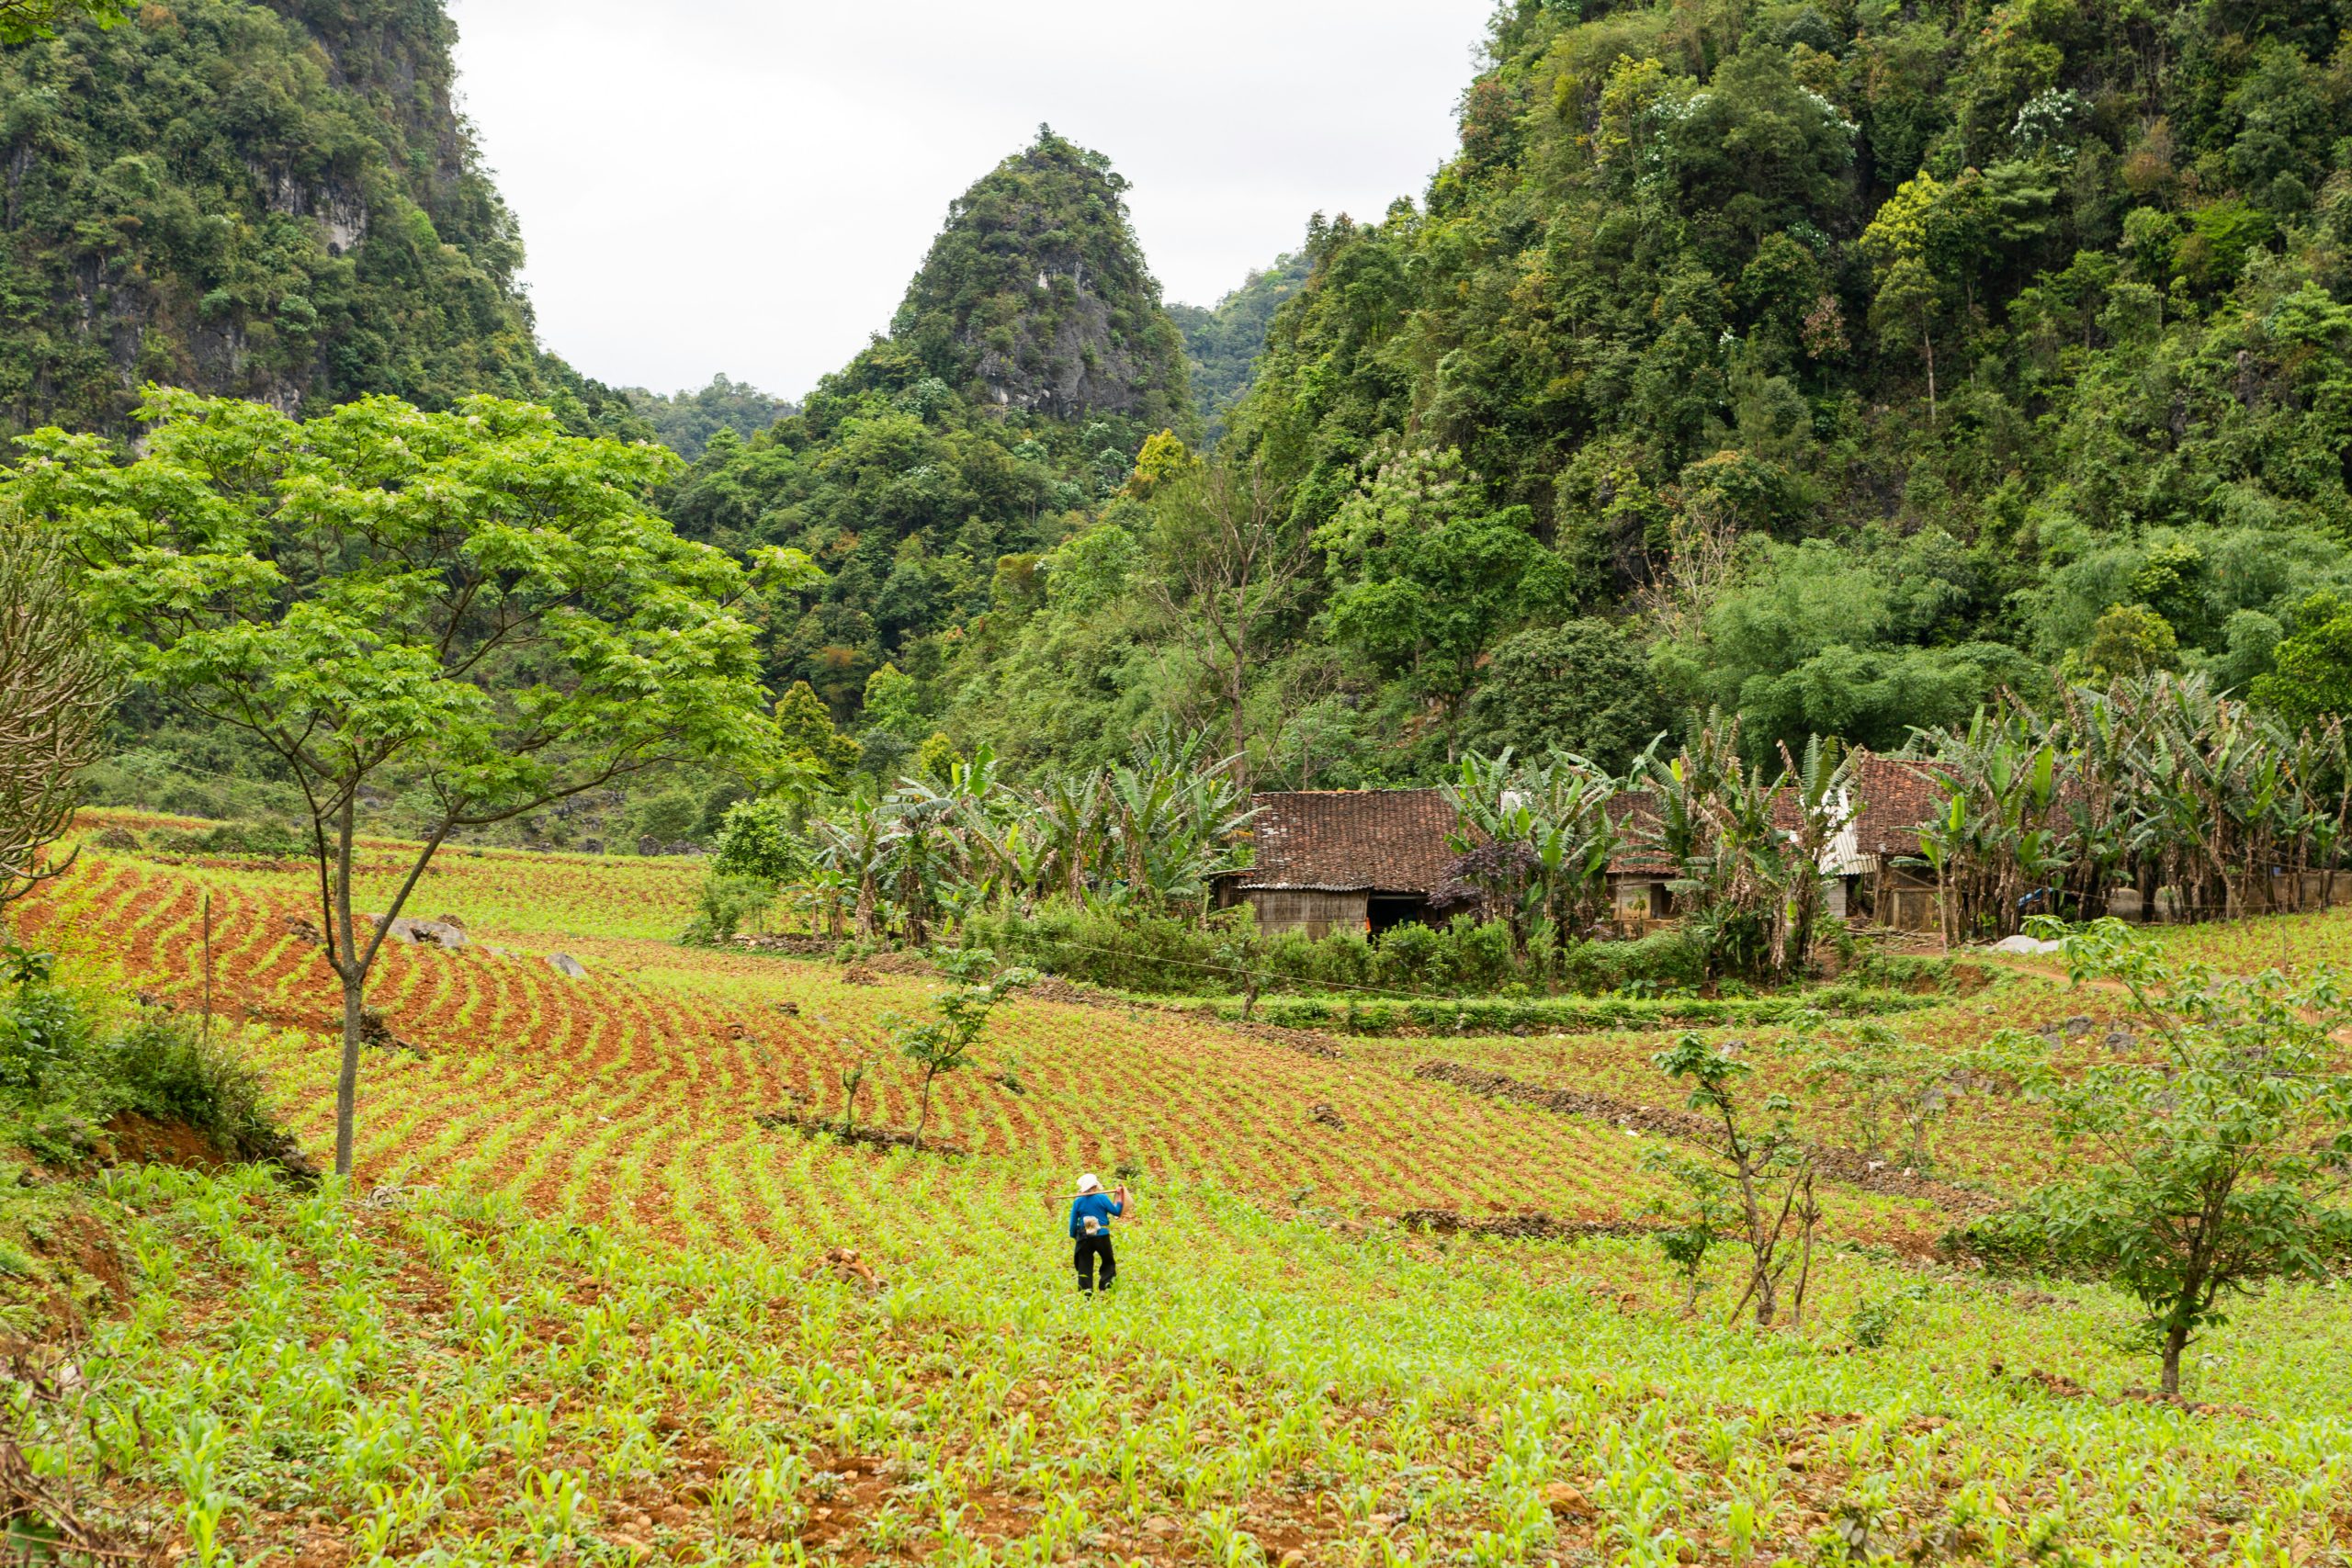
(277,201)
(1838,365)
(1221,344)
(1841,365)
(685,421)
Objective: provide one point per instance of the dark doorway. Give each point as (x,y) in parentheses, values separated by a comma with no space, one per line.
(1384,910)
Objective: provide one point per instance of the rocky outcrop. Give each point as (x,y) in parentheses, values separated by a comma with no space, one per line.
(1035,297)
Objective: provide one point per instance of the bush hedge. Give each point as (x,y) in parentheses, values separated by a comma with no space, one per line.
(1162,955)
(1511,1015)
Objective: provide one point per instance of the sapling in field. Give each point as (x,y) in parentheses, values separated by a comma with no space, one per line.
(1897,1090)
(857,1061)
(1695,1216)
(1752,1161)
(944,1044)
(2206,1168)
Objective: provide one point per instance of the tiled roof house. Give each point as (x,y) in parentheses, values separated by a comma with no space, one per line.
(1345,859)
(1366,860)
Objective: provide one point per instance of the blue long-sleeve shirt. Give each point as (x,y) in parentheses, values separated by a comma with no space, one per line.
(1101,1205)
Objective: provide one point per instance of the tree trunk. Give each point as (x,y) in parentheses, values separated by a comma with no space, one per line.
(1767,1293)
(2175,1341)
(1236,692)
(346,1082)
(352,970)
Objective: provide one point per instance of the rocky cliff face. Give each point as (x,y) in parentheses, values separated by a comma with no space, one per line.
(1034,296)
(277,201)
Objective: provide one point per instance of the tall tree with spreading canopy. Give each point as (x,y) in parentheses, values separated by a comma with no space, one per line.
(470,612)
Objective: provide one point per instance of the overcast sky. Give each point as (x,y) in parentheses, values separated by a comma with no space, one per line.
(744,187)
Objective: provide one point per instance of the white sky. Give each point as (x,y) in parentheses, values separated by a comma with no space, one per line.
(731,185)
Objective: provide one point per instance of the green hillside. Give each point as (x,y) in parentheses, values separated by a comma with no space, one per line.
(1874,352)
(1023,372)
(277,201)
(1222,343)
(1837,364)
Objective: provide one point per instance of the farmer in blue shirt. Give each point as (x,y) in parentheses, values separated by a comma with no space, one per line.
(1090,1228)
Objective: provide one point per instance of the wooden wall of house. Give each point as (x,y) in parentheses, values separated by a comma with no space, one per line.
(1306,909)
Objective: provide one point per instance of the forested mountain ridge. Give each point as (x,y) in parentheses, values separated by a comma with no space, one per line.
(1034,295)
(278,202)
(1025,371)
(1836,364)
(1856,359)
(685,421)
(1839,364)
(1222,342)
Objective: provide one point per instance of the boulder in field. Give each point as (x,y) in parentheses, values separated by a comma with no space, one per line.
(565,965)
(440,934)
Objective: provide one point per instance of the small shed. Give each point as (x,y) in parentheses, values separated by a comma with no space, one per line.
(1359,860)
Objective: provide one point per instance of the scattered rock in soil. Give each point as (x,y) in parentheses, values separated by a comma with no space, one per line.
(565,965)
(844,1263)
(1325,1114)
(1564,1501)
(859,974)
(303,930)
(2058,1383)
(432,933)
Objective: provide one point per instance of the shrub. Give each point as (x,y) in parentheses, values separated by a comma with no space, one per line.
(726,905)
(1660,961)
(672,817)
(262,840)
(162,1067)
(44,1031)
(62,1065)
(757,841)
(1130,952)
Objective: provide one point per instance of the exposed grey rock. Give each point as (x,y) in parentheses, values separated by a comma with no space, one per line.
(440,934)
(2023,943)
(565,964)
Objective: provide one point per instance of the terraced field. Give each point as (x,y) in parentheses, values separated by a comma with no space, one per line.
(581,1307)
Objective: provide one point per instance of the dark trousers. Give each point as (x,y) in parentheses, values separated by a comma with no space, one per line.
(1090,1247)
